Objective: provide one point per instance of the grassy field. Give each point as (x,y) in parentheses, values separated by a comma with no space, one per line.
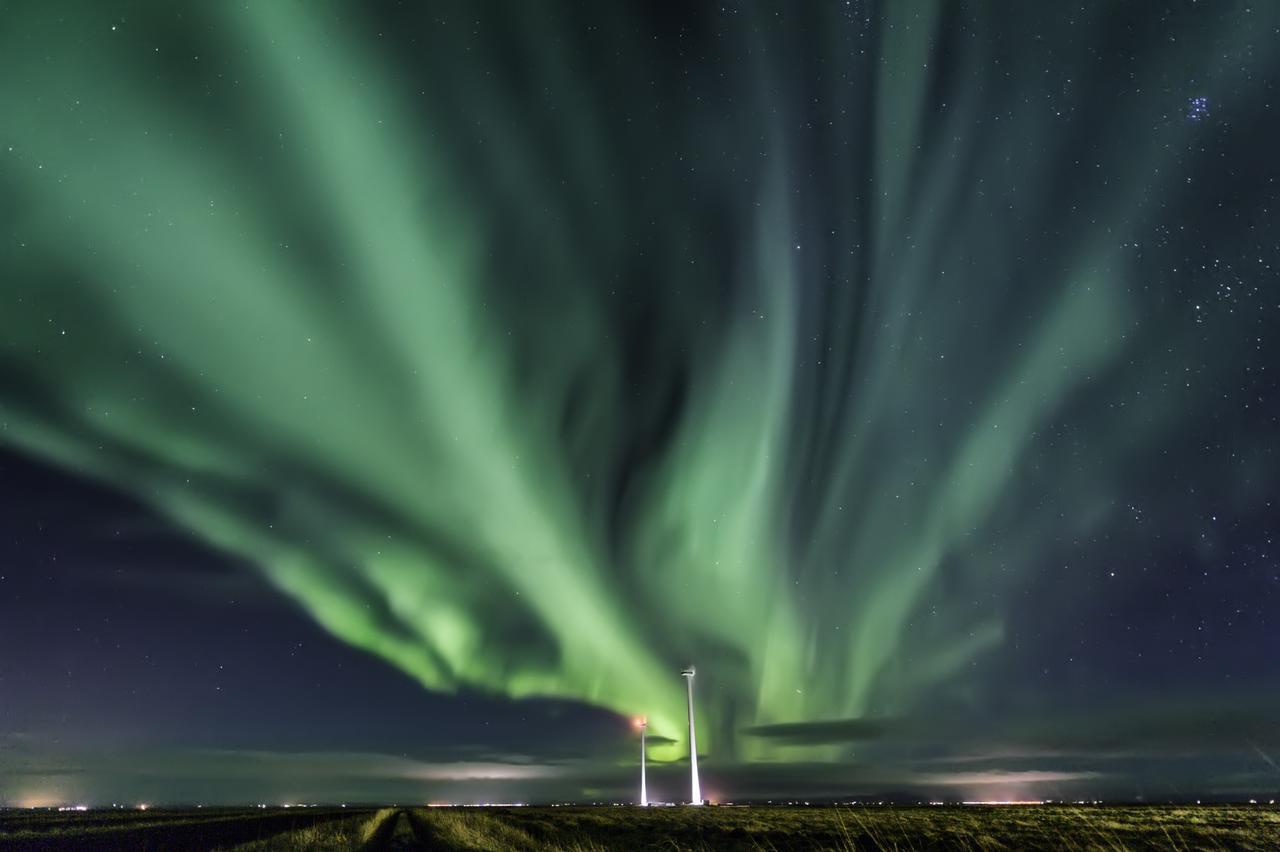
(164,829)
(903,828)
(623,828)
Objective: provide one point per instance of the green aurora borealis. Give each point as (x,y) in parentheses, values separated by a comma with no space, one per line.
(536,355)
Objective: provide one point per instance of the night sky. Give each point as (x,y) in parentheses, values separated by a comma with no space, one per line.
(394,397)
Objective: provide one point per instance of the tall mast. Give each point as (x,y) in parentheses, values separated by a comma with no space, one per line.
(695,789)
(643,723)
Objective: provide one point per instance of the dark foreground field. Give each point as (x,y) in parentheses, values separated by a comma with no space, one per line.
(624,828)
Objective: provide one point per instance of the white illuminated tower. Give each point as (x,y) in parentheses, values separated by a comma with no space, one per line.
(695,791)
(642,723)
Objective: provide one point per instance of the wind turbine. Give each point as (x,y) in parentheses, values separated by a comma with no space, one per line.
(695,790)
(642,723)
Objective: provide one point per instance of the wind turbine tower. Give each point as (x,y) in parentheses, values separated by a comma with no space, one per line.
(642,723)
(695,790)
